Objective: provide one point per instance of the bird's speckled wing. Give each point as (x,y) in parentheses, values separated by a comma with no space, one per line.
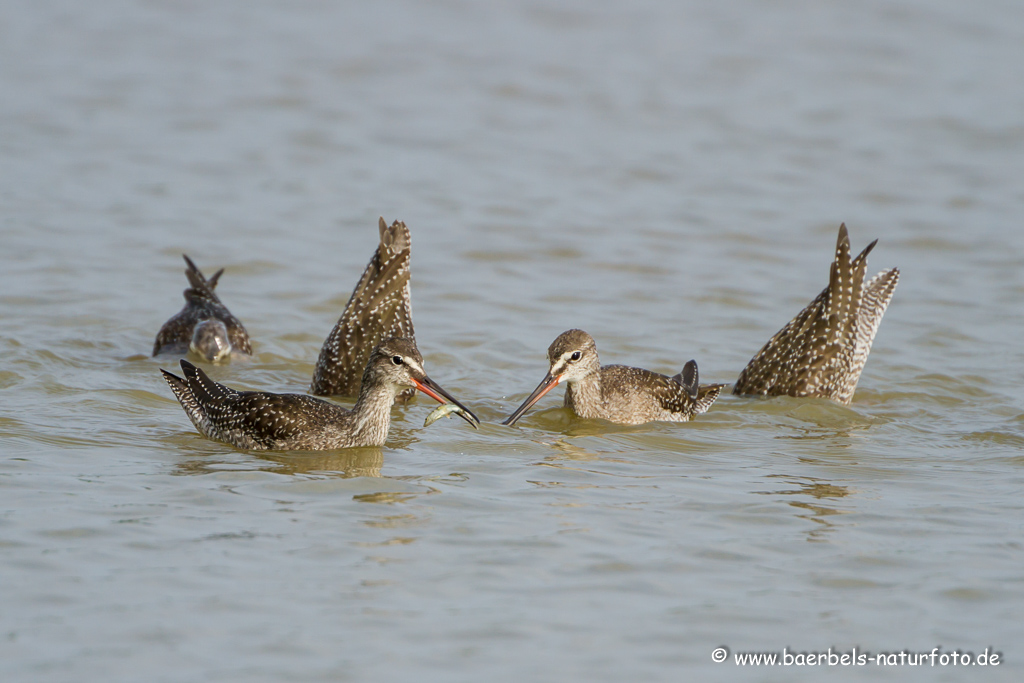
(251,419)
(380,307)
(822,351)
(875,299)
(635,395)
(707,395)
(674,397)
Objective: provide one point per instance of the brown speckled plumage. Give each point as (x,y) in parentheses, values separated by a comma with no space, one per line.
(380,307)
(822,351)
(202,304)
(259,420)
(618,393)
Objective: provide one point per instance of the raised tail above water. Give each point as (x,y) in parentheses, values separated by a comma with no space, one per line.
(380,307)
(219,332)
(822,351)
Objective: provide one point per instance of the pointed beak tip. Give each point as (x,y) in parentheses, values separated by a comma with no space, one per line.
(469,416)
(431,389)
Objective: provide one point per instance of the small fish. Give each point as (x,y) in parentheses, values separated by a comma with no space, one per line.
(443,410)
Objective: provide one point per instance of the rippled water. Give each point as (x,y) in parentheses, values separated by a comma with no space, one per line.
(669,177)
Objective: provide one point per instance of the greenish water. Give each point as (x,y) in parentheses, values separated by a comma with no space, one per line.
(669,177)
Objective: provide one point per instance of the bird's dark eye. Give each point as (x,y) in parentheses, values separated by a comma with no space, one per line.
(575,355)
(397,360)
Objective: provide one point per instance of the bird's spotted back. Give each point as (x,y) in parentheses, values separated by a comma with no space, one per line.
(260,420)
(201,303)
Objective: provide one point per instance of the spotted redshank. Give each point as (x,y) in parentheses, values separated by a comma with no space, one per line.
(258,420)
(379,308)
(618,393)
(204,326)
(822,351)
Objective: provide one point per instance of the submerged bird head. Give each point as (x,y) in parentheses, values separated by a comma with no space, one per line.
(573,357)
(210,341)
(397,361)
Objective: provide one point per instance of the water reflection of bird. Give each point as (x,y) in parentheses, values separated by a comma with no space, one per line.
(616,392)
(258,420)
(346,463)
(822,351)
(204,326)
(379,308)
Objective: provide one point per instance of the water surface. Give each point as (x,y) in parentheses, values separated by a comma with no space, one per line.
(669,177)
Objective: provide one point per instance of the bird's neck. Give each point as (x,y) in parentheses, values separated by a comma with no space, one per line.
(584,393)
(372,412)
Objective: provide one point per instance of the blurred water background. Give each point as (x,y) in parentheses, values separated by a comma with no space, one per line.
(669,176)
